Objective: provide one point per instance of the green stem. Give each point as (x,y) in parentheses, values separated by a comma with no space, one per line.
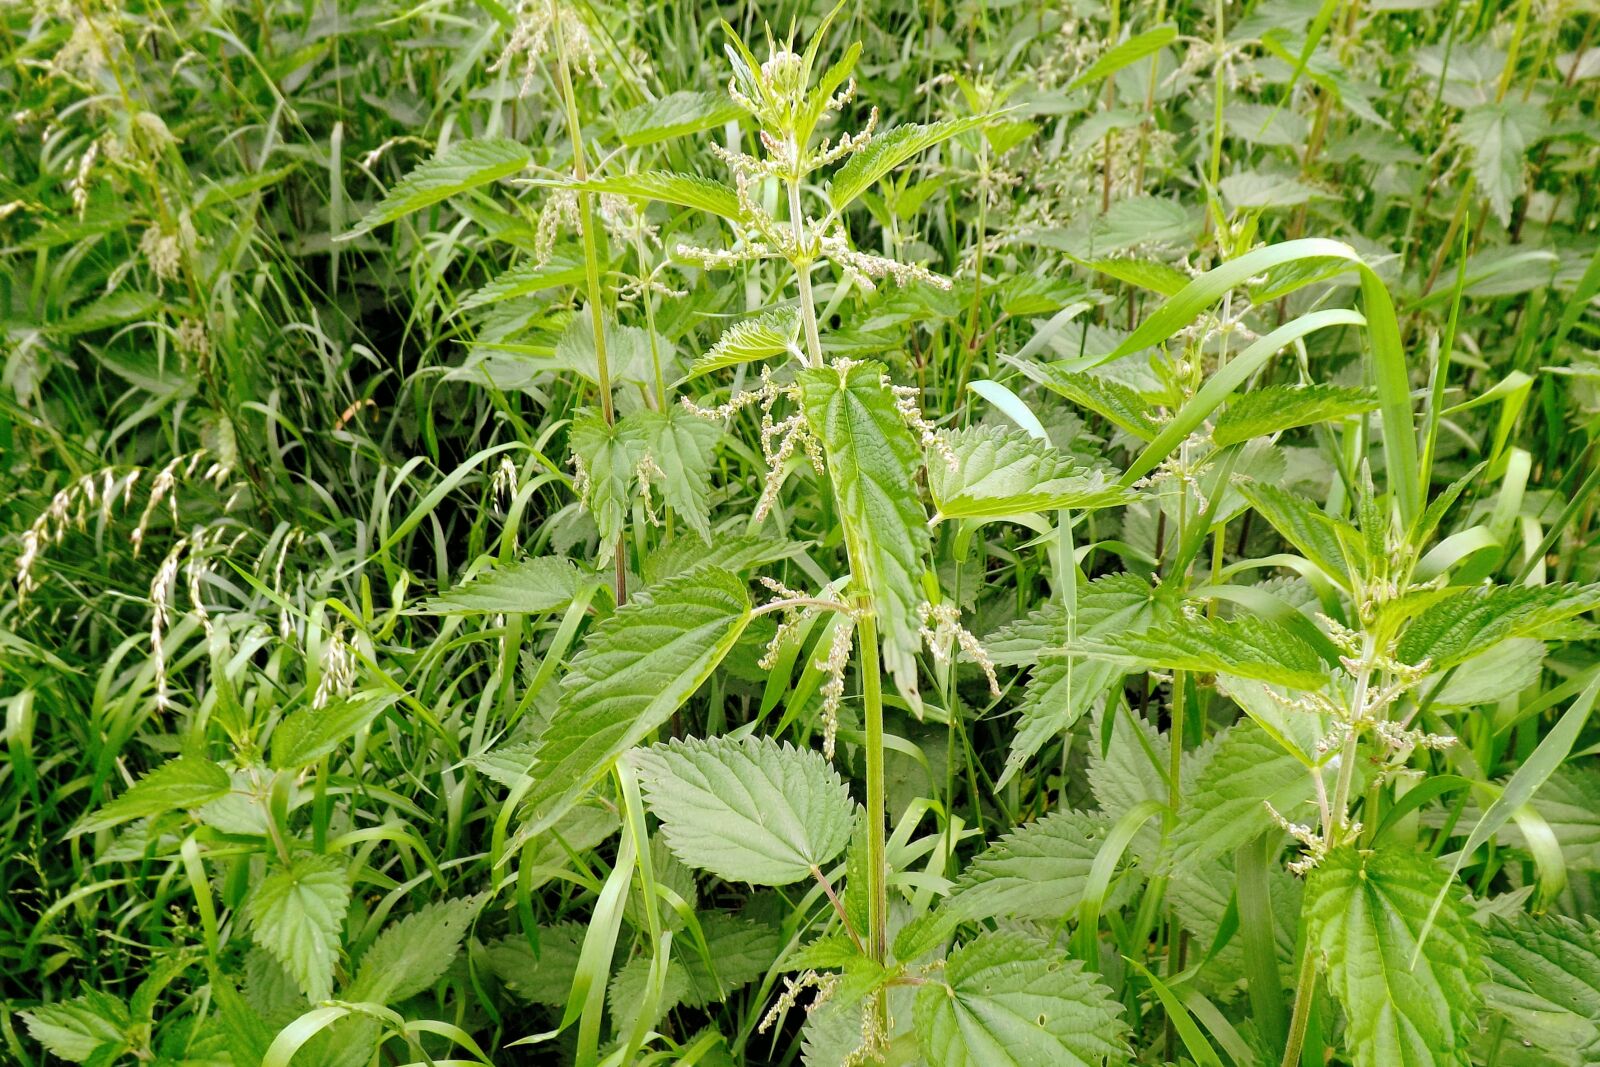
(802,271)
(877,848)
(591,270)
(1305,988)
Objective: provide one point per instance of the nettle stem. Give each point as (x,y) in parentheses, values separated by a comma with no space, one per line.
(591,270)
(802,272)
(877,814)
(1335,822)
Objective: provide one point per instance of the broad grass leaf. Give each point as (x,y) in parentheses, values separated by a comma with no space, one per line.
(674,115)
(529,586)
(463,166)
(1365,910)
(747,810)
(307,734)
(1009,999)
(1274,408)
(769,334)
(634,670)
(1001,472)
(873,458)
(1037,871)
(180,784)
(414,952)
(1248,646)
(1544,977)
(296,913)
(889,149)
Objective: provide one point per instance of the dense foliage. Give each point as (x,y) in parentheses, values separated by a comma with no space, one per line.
(966,533)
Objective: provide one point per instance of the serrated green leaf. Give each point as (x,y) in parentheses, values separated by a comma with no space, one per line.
(1460,626)
(296,913)
(1365,910)
(1544,976)
(680,443)
(1008,999)
(736,554)
(889,149)
(1113,400)
(667,187)
(545,978)
(1494,133)
(1125,54)
(94,1025)
(675,115)
(529,586)
(463,166)
(634,670)
(872,458)
(413,953)
(1274,408)
(747,810)
(308,734)
(1227,806)
(1332,544)
(1000,472)
(110,309)
(560,270)
(1145,273)
(769,334)
(1035,872)
(1248,646)
(180,784)
(608,456)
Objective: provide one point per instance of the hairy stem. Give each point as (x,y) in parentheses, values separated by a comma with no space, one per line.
(877,858)
(802,271)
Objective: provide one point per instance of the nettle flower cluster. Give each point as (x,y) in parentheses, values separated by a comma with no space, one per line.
(779,95)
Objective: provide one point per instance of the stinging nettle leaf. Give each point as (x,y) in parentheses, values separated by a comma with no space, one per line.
(1117,403)
(1465,623)
(560,270)
(747,810)
(889,149)
(1365,910)
(680,443)
(608,457)
(1227,804)
(413,953)
(1269,410)
(180,784)
(296,913)
(873,457)
(1248,646)
(1010,999)
(529,586)
(92,1027)
(1000,472)
(675,115)
(1035,872)
(1545,978)
(308,734)
(769,334)
(1332,544)
(634,670)
(463,166)
(667,187)
(1126,54)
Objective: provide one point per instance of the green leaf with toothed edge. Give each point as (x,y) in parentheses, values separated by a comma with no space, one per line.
(747,809)
(296,913)
(460,168)
(998,472)
(414,953)
(1274,408)
(1035,872)
(680,443)
(872,460)
(674,115)
(1010,1000)
(180,784)
(529,586)
(635,669)
(1248,646)
(667,187)
(887,150)
(1365,910)
(1545,979)
(771,333)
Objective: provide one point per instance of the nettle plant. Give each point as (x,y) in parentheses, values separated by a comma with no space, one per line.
(1273,840)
